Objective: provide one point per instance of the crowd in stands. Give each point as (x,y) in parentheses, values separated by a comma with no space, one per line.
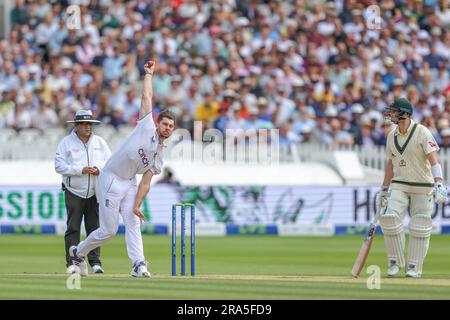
(319,71)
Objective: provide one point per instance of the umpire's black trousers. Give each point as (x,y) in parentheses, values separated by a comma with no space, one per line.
(77,208)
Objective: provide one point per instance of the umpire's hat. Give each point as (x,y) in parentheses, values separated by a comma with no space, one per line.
(83,116)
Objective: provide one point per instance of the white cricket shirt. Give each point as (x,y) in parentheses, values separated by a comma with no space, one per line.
(412,170)
(138,153)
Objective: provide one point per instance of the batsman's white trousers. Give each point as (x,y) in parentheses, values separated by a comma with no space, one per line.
(115,195)
(399,201)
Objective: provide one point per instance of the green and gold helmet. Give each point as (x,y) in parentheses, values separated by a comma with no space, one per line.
(402,106)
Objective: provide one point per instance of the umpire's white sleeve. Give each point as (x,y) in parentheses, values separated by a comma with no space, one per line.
(61,164)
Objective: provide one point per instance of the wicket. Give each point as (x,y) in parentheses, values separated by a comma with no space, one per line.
(183,238)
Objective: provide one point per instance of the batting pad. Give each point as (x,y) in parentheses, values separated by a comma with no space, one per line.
(394,237)
(420,227)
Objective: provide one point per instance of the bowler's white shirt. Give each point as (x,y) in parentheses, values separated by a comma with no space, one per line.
(139,152)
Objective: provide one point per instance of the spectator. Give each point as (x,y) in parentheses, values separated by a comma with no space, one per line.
(367,138)
(7,105)
(131,107)
(355,124)
(305,135)
(113,65)
(19,118)
(45,30)
(228,99)
(207,110)
(222,119)
(253,122)
(388,76)
(116,97)
(287,137)
(56,39)
(285,106)
(380,138)
(321,56)
(337,136)
(8,78)
(43,9)
(19,13)
(236,122)
(319,133)
(70,43)
(445,137)
(44,117)
(177,92)
(433,59)
(85,52)
(116,117)
(162,83)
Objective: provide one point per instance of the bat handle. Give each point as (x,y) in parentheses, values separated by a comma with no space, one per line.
(377,216)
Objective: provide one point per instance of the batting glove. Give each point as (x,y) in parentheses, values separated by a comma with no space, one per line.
(440,193)
(381,199)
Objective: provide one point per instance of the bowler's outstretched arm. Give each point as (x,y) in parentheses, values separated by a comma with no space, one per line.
(147,91)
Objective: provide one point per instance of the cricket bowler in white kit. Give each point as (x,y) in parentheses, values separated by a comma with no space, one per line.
(413,175)
(140,153)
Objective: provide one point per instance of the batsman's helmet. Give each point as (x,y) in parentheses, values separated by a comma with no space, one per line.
(401,105)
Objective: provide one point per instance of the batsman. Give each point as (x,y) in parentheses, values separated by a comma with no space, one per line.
(413,175)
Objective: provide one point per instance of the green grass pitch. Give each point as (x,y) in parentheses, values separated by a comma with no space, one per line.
(240,267)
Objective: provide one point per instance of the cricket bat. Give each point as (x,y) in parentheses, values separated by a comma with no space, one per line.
(365,248)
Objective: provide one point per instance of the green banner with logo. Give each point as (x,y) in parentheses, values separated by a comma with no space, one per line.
(37,205)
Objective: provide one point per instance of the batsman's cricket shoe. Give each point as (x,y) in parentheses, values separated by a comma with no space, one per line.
(71,269)
(78,262)
(140,269)
(412,272)
(96,268)
(393,268)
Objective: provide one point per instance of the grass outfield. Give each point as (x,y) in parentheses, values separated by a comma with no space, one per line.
(250,267)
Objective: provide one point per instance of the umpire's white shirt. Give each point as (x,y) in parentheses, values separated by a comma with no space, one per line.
(73,155)
(139,152)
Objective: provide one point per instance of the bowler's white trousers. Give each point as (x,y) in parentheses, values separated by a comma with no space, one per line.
(115,195)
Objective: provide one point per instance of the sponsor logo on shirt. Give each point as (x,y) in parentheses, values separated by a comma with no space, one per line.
(144,158)
(432,144)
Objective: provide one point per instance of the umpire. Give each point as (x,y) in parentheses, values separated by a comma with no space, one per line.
(79,158)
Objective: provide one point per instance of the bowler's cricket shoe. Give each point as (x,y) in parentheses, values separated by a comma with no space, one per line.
(140,269)
(97,269)
(78,262)
(393,268)
(412,272)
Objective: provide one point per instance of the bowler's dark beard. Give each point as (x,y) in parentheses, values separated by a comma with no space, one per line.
(162,135)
